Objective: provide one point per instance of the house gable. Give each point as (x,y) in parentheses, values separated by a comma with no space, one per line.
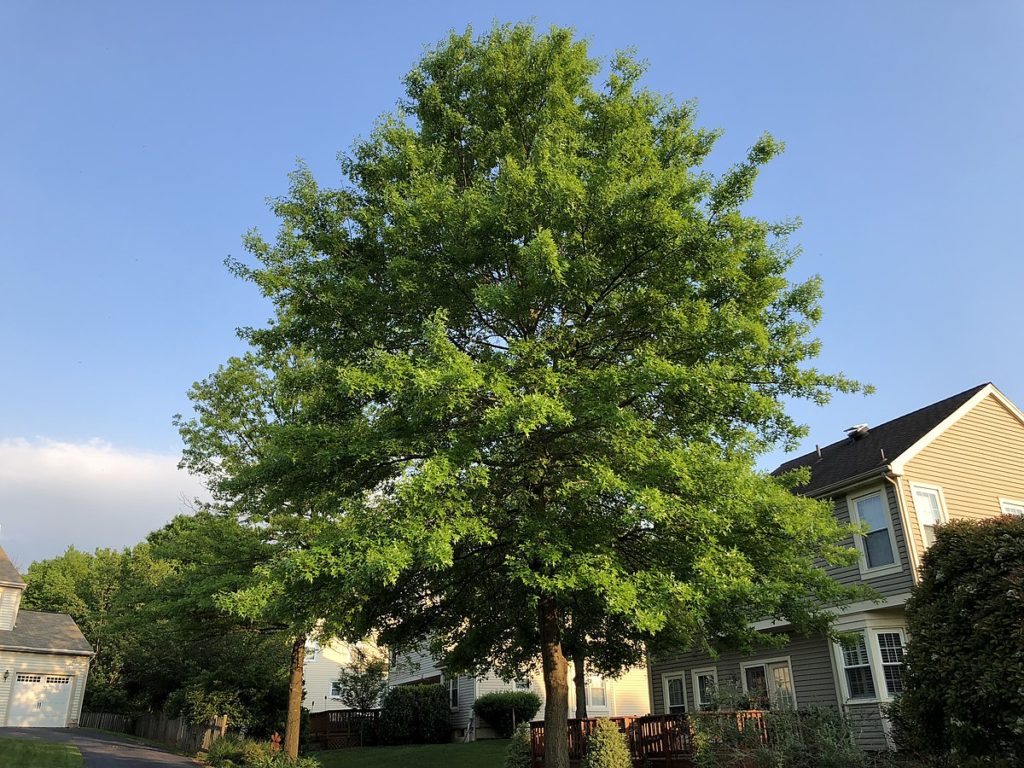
(974,462)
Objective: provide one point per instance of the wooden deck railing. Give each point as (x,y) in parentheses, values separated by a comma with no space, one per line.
(340,728)
(665,741)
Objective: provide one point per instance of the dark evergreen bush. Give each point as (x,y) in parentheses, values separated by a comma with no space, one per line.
(415,714)
(503,711)
(964,685)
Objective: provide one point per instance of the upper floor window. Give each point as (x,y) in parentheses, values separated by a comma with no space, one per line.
(335,690)
(524,684)
(1011,506)
(878,543)
(930,509)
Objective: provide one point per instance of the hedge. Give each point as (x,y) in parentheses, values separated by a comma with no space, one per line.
(964,683)
(415,714)
(503,711)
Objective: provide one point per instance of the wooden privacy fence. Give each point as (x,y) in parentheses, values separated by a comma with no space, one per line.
(340,728)
(156,726)
(664,741)
(107,721)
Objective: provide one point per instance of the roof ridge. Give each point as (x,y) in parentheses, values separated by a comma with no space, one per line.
(967,393)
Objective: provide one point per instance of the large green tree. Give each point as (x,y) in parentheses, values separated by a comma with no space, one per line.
(531,349)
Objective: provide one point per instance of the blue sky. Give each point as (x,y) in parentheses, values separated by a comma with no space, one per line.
(138,142)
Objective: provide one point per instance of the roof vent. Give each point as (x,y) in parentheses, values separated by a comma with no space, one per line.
(857,431)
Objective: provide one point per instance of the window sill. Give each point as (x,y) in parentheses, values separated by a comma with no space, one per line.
(882,570)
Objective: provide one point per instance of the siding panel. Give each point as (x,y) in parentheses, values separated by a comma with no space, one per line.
(975,461)
(810,659)
(9,600)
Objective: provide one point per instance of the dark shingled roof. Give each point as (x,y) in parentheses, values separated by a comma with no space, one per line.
(38,631)
(8,573)
(850,458)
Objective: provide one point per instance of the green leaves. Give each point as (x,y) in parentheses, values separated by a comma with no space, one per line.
(527,349)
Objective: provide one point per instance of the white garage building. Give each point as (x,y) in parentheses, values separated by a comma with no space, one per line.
(44,661)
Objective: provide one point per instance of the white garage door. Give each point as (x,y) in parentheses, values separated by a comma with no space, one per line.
(39,701)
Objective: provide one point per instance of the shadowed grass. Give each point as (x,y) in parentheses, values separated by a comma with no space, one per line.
(21,753)
(477,754)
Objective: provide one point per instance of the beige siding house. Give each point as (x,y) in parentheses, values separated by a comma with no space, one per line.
(627,694)
(322,667)
(44,661)
(959,458)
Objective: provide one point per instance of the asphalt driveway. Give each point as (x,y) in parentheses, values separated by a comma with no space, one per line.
(104,750)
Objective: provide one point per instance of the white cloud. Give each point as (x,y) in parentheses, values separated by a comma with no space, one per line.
(54,494)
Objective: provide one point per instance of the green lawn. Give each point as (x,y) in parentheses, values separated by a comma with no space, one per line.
(21,753)
(476,754)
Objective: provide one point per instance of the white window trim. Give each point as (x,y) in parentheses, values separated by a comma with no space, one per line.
(764,663)
(331,693)
(871,633)
(878,652)
(841,659)
(858,540)
(607,694)
(665,678)
(943,514)
(694,675)
(1003,501)
(458,694)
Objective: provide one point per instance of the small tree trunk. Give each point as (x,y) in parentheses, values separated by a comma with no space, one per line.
(579,663)
(556,685)
(294,721)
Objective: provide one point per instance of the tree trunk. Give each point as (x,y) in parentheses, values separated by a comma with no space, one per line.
(556,685)
(294,721)
(579,663)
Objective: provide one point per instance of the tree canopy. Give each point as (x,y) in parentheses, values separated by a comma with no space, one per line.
(161,639)
(521,364)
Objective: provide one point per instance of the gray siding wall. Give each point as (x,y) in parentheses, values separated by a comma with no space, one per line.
(868,728)
(461,716)
(890,584)
(810,659)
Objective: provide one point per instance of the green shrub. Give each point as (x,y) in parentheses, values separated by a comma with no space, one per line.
(503,711)
(810,738)
(278,760)
(964,683)
(256,752)
(415,714)
(228,750)
(519,753)
(231,751)
(607,747)
(720,743)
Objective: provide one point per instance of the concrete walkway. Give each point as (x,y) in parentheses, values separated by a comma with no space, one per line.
(104,750)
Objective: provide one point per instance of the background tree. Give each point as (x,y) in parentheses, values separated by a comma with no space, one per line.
(964,680)
(365,680)
(161,640)
(530,350)
(228,442)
